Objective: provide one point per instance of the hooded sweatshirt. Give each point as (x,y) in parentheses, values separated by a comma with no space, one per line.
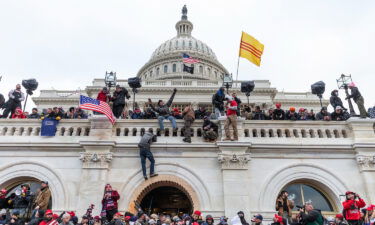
(147,140)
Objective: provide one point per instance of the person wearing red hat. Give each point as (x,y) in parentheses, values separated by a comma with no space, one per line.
(117,219)
(352,207)
(3,200)
(109,202)
(48,219)
(196,218)
(369,216)
(339,219)
(291,114)
(278,220)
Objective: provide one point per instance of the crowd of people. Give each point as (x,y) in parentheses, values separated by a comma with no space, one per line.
(23,208)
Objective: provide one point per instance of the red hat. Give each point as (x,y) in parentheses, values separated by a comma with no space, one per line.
(339,216)
(4,191)
(370,208)
(278,105)
(48,212)
(279,219)
(292,109)
(301,110)
(349,192)
(175,109)
(127,218)
(118,214)
(55,216)
(72,214)
(198,213)
(97,218)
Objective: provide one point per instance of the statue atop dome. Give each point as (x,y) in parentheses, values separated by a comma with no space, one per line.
(184,13)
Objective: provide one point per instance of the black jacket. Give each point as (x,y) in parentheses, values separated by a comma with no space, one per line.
(218,101)
(335,100)
(199,115)
(278,114)
(164,110)
(355,94)
(259,116)
(291,115)
(22,201)
(119,97)
(340,116)
(210,124)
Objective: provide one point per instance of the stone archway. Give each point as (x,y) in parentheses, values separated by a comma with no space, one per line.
(160,181)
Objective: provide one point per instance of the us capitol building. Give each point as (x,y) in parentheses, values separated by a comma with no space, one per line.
(314,160)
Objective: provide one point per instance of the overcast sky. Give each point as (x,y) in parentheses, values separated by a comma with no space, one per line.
(66,44)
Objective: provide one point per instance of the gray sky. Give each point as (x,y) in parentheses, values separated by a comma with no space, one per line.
(66,44)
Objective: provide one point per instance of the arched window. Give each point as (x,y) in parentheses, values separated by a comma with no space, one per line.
(150,73)
(165,69)
(301,193)
(208,71)
(215,74)
(200,69)
(174,68)
(157,71)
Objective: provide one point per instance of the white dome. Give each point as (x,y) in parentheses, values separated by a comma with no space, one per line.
(166,61)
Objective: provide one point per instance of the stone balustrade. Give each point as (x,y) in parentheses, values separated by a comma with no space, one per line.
(248,129)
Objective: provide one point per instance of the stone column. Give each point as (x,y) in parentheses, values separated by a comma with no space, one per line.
(96,160)
(233,158)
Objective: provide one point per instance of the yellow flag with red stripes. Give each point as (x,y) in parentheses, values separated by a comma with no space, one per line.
(251,49)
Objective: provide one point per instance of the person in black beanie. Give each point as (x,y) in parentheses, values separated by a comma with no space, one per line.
(241,215)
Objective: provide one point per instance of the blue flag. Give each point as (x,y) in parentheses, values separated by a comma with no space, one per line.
(49,127)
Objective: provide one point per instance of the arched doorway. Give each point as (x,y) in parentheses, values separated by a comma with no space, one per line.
(172,188)
(167,200)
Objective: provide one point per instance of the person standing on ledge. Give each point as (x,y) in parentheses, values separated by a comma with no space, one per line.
(189,117)
(358,99)
(231,119)
(144,152)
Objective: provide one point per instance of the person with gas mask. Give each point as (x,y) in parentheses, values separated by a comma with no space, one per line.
(16,96)
(352,207)
(145,153)
(22,200)
(310,216)
(241,215)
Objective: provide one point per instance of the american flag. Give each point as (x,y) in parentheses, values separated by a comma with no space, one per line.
(97,106)
(188,59)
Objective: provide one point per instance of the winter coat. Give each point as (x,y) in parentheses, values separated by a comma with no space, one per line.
(278,114)
(314,217)
(340,116)
(69,223)
(280,206)
(34,116)
(291,115)
(16,222)
(210,125)
(352,209)
(188,113)
(16,96)
(116,222)
(371,112)
(164,110)
(258,115)
(218,100)
(115,197)
(22,201)
(320,115)
(335,100)
(147,140)
(102,96)
(42,198)
(119,97)
(199,115)
(355,94)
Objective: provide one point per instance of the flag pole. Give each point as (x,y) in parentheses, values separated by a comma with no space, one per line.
(238,65)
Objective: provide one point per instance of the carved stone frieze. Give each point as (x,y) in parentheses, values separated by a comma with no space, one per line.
(366,162)
(234,161)
(93,160)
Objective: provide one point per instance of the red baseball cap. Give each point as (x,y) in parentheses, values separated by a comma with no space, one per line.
(48,212)
(198,213)
(118,214)
(339,216)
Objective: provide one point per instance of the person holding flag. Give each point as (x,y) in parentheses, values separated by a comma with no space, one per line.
(96,106)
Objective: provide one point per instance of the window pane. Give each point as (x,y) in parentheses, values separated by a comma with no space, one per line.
(294,192)
(318,200)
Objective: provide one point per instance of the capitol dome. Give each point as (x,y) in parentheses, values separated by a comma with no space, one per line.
(166,61)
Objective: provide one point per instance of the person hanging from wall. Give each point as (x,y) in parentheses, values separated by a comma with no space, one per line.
(118,99)
(109,203)
(352,207)
(145,153)
(358,99)
(189,117)
(164,111)
(16,96)
(284,206)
